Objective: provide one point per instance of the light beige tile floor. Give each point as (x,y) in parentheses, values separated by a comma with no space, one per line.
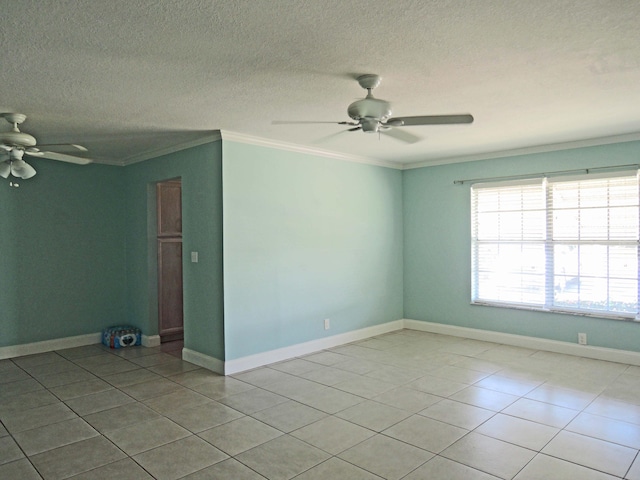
(406,405)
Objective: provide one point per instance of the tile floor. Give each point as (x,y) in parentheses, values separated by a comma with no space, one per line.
(406,405)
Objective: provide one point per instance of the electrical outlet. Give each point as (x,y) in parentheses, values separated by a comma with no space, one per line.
(327,324)
(582,338)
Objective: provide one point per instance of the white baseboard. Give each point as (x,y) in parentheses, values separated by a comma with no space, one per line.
(150,340)
(13,351)
(49,345)
(535,343)
(286,353)
(202,360)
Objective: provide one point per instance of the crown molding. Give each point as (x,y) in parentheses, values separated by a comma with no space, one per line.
(217,135)
(552,147)
(292,147)
(212,136)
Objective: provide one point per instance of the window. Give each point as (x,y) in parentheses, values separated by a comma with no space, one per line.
(558,244)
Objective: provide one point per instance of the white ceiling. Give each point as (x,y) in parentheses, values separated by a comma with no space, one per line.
(128,77)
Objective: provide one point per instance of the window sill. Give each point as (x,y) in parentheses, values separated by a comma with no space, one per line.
(531,308)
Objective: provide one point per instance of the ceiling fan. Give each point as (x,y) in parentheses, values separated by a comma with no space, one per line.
(373,115)
(14,144)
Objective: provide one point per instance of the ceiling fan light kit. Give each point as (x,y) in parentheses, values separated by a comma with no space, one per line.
(373,115)
(16,144)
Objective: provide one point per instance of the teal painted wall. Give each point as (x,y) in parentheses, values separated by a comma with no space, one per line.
(307,238)
(200,169)
(437,275)
(62,252)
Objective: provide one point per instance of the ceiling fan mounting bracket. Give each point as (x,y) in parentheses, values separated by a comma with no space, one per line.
(15,118)
(369,81)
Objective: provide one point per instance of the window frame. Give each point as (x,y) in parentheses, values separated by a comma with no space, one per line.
(547,302)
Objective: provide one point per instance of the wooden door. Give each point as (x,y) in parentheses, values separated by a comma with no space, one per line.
(170,313)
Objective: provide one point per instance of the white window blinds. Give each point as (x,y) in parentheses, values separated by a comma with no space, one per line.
(566,244)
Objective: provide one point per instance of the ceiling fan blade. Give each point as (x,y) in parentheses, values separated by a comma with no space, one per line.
(330,136)
(34,152)
(431,120)
(293,122)
(401,135)
(70,146)
(63,157)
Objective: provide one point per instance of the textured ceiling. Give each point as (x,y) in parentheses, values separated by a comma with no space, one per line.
(125,78)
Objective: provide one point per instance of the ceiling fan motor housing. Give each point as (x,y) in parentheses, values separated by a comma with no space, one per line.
(369,108)
(15,138)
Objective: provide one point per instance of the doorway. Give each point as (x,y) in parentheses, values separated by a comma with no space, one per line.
(169,241)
